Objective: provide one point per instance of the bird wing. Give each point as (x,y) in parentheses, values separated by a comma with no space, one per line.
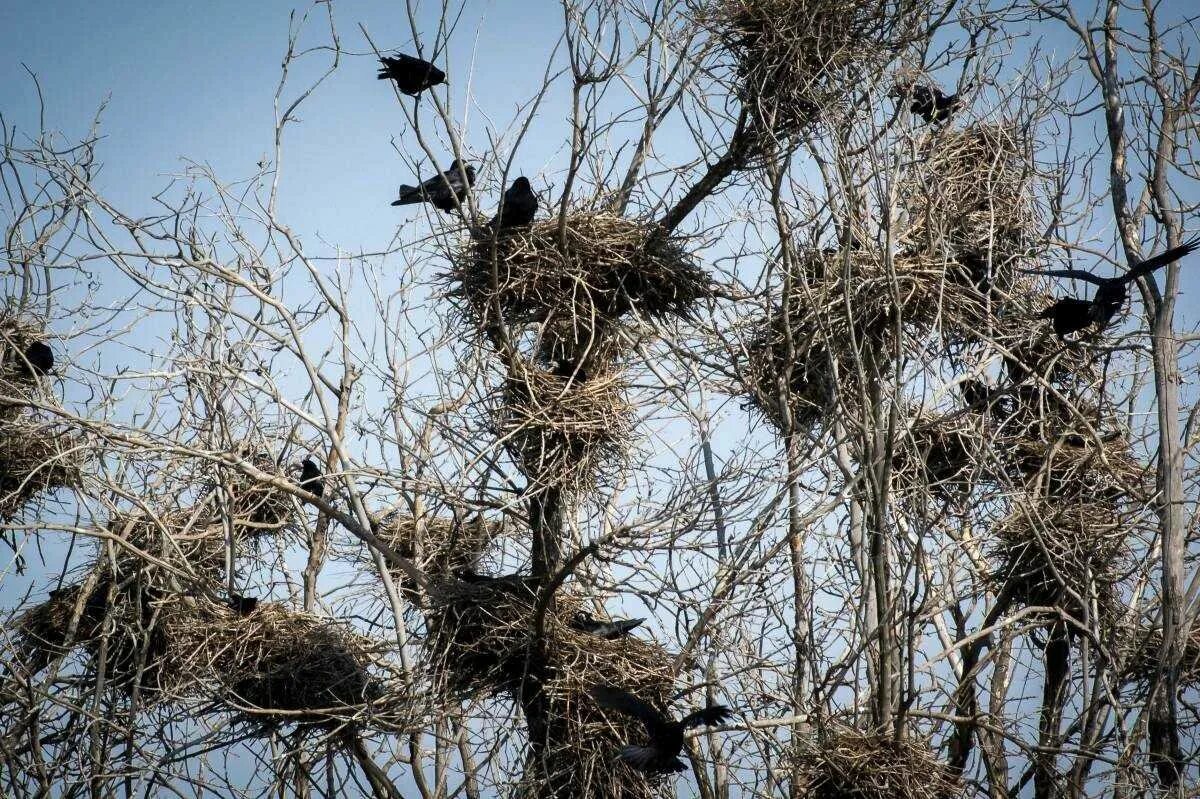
(706,717)
(1075,274)
(621,700)
(1143,268)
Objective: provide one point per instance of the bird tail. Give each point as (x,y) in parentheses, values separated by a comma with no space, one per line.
(642,758)
(409,195)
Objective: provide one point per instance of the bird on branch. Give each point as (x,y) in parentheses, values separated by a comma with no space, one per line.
(412,75)
(661,754)
(444,191)
(930,103)
(518,207)
(310,477)
(1071,314)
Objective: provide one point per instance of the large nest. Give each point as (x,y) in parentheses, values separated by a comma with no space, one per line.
(259,508)
(437,545)
(569,283)
(559,431)
(1064,555)
(190,541)
(1140,650)
(798,59)
(275,664)
(35,457)
(1070,463)
(482,638)
(943,454)
(845,763)
(971,193)
(16,334)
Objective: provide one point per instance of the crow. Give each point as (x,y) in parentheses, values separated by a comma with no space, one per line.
(412,75)
(244,605)
(39,359)
(975,393)
(518,208)
(444,191)
(661,755)
(513,583)
(310,477)
(928,102)
(608,630)
(1111,292)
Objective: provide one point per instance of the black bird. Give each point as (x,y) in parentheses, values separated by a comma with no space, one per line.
(244,605)
(513,583)
(518,208)
(975,393)
(1111,292)
(444,191)
(617,628)
(310,477)
(1070,315)
(39,359)
(412,75)
(661,755)
(930,103)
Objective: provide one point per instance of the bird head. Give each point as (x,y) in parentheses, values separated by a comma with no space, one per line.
(521,184)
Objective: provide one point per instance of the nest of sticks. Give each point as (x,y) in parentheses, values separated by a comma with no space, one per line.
(34,458)
(1072,464)
(189,540)
(798,59)
(482,639)
(259,508)
(1140,650)
(571,280)
(942,453)
(970,192)
(845,763)
(439,546)
(1064,555)
(561,431)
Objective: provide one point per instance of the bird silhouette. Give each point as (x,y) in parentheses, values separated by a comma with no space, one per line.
(444,191)
(411,74)
(310,477)
(517,584)
(661,754)
(928,102)
(518,208)
(244,605)
(39,359)
(616,628)
(1071,314)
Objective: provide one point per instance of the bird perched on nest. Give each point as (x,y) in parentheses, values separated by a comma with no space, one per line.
(411,74)
(1070,314)
(930,103)
(39,359)
(661,755)
(444,191)
(518,208)
(513,583)
(608,630)
(243,605)
(310,477)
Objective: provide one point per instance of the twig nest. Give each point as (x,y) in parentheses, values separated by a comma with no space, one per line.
(439,546)
(1069,462)
(16,334)
(259,508)
(574,276)
(562,431)
(192,541)
(845,763)
(941,453)
(970,192)
(796,59)
(35,457)
(1140,650)
(1063,555)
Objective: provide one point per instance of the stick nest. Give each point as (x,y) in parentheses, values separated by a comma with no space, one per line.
(845,763)
(1074,463)
(16,334)
(34,458)
(1140,650)
(259,509)
(971,191)
(1064,555)
(942,453)
(189,540)
(439,546)
(798,59)
(602,267)
(562,431)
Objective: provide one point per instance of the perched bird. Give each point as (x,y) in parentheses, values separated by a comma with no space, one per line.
(444,191)
(39,359)
(518,208)
(244,605)
(310,477)
(1111,292)
(928,102)
(617,628)
(1070,315)
(975,393)
(412,75)
(513,583)
(661,755)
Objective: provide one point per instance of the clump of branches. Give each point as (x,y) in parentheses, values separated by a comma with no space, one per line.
(439,546)
(259,508)
(942,453)
(36,457)
(845,763)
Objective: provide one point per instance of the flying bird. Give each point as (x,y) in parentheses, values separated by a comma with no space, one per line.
(310,477)
(661,754)
(617,628)
(930,103)
(518,208)
(39,359)
(1111,292)
(411,74)
(444,191)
